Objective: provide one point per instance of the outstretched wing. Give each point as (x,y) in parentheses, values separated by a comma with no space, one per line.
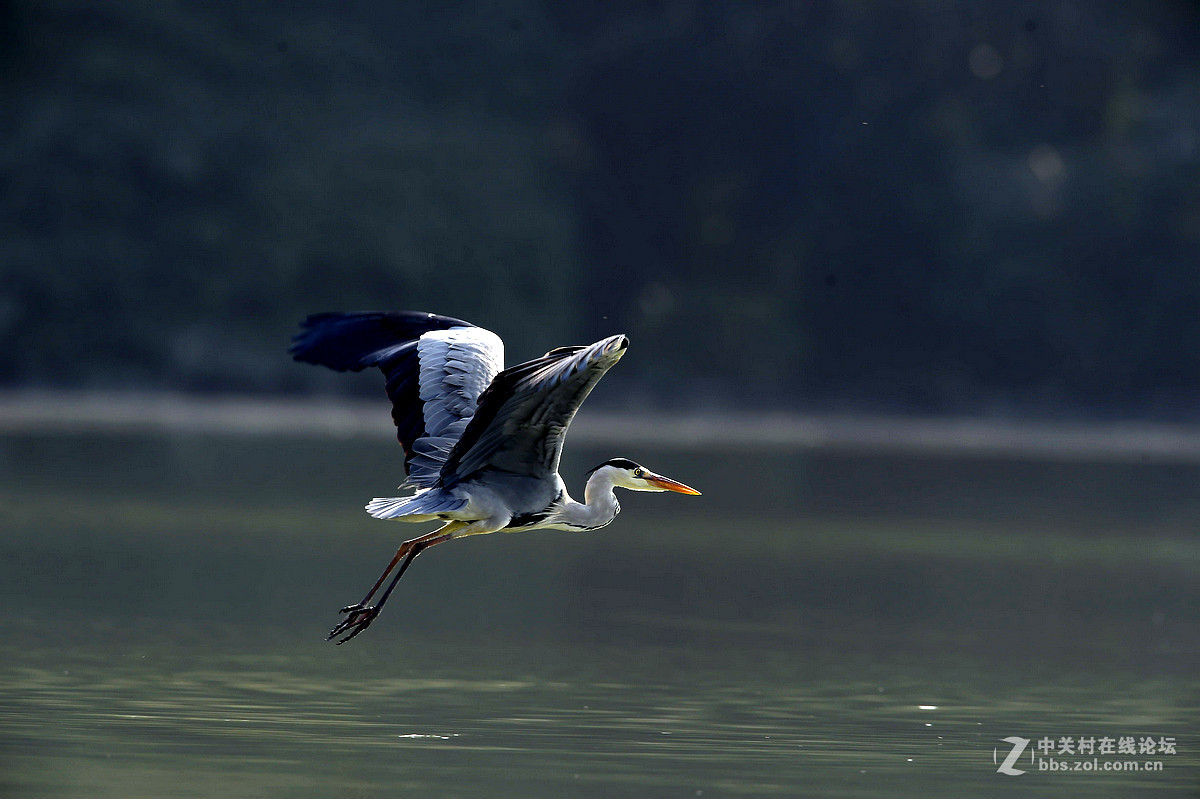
(436,368)
(523,415)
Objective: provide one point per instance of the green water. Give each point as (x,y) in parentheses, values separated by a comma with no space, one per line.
(873,627)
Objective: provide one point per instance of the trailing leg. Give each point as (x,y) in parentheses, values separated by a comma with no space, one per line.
(360,616)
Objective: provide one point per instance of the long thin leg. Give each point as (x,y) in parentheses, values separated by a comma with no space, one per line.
(404,549)
(361,615)
(417,549)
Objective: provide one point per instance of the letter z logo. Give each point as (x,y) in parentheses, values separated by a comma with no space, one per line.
(1018,746)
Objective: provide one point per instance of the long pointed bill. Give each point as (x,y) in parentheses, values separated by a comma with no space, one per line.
(667,484)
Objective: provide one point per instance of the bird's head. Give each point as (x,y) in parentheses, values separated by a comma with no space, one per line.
(627,474)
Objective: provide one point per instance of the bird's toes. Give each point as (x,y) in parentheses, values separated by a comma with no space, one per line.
(353,633)
(359,619)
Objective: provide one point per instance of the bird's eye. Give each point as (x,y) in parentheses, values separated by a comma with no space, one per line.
(639,473)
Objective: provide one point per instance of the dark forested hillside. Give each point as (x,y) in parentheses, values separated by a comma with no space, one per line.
(928,206)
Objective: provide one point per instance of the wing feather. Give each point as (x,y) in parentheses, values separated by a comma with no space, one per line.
(523,415)
(435,367)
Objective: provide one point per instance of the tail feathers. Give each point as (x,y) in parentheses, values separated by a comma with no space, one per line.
(425,503)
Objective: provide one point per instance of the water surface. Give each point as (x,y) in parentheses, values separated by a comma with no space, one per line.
(815,624)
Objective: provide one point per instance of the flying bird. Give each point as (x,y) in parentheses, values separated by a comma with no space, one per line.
(481,443)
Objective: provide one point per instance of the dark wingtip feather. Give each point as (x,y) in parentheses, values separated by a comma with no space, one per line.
(354,340)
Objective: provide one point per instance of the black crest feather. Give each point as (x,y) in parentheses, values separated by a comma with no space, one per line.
(620,463)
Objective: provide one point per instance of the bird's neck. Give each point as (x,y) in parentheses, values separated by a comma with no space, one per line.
(599,506)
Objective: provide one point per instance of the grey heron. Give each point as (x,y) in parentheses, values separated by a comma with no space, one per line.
(481,443)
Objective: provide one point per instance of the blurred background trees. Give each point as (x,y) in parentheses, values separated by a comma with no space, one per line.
(939,206)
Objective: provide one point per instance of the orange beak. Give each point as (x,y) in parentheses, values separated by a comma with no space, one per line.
(667,484)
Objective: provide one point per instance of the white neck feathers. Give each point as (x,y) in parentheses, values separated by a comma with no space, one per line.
(599,506)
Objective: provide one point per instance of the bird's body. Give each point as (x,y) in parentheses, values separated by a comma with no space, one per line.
(482,444)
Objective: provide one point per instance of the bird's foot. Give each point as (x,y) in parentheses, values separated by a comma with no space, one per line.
(358,619)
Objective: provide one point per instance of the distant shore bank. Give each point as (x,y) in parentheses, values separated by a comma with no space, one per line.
(69,412)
